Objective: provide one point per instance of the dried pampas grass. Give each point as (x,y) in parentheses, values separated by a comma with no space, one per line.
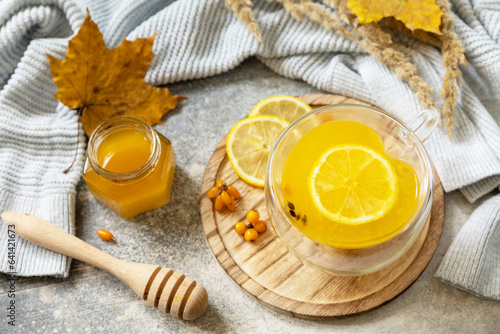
(243,11)
(382,40)
(453,53)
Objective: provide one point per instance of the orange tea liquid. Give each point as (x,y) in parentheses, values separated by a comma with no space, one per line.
(313,223)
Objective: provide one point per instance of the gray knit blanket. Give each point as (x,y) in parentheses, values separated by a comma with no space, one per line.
(200,38)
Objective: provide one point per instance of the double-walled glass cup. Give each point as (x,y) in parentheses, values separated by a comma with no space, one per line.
(400,141)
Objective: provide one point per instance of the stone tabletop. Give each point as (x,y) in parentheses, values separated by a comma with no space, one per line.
(93,301)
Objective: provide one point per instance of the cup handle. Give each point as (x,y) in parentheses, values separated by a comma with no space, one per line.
(424,124)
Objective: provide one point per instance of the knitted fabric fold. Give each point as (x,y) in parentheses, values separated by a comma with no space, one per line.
(200,38)
(472,262)
(37,135)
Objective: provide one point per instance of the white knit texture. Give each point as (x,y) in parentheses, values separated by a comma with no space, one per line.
(472,262)
(200,38)
(37,135)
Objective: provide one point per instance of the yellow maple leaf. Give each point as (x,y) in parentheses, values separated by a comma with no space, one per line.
(104,83)
(415,14)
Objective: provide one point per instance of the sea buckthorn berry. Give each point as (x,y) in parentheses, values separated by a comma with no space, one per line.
(105,235)
(233,192)
(251,235)
(228,200)
(253,216)
(219,204)
(260,226)
(223,195)
(240,228)
(213,192)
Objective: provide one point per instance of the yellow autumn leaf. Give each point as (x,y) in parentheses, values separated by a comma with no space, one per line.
(415,14)
(104,83)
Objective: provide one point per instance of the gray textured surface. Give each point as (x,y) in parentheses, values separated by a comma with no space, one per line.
(93,301)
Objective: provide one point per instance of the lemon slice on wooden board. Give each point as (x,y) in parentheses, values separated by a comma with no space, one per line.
(353,184)
(287,107)
(249,145)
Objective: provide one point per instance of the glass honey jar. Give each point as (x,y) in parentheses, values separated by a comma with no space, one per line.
(129,166)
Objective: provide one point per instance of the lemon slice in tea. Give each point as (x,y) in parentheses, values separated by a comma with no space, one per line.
(249,145)
(287,107)
(353,184)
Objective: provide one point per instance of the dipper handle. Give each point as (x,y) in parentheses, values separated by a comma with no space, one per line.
(170,291)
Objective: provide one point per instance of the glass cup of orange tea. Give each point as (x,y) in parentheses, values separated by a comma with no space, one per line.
(129,166)
(349,188)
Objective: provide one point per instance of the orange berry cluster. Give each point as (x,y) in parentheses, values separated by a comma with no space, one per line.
(224,195)
(251,231)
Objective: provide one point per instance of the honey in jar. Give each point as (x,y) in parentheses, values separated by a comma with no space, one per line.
(129,166)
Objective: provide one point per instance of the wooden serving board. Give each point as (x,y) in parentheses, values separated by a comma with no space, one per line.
(266,270)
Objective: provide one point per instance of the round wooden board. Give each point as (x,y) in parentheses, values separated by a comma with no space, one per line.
(266,270)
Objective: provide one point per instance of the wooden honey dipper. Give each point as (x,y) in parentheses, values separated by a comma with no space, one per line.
(168,290)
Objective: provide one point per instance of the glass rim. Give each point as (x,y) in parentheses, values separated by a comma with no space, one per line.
(417,215)
(111,124)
